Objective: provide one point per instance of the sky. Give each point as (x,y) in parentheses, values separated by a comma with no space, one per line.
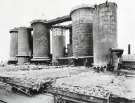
(16,13)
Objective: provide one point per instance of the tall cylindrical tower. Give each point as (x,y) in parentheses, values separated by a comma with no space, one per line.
(105,32)
(82,30)
(58,42)
(41,40)
(13,45)
(24,47)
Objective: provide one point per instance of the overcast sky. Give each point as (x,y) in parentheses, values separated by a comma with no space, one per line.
(14,13)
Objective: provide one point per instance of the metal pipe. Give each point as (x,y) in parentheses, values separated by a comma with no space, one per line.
(129,49)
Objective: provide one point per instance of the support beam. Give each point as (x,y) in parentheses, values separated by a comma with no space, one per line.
(62,26)
(59,20)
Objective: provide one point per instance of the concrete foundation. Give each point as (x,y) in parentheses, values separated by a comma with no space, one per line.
(24,47)
(105,32)
(13,45)
(23,59)
(82,30)
(41,41)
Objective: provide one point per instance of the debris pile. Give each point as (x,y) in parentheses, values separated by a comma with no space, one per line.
(96,91)
(32,80)
(79,80)
(96,84)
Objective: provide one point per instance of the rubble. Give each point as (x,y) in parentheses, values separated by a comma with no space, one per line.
(5,89)
(97,84)
(79,80)
(35,79)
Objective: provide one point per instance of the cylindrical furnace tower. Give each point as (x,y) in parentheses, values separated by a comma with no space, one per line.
(13,45)
(24,47)
(58,42)
(82,30)
(105,32)
(41,40)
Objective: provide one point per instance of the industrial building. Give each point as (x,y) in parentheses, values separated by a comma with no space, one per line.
(90,68)
(92,33)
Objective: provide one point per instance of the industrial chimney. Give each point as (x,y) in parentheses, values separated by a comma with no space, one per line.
(129,48)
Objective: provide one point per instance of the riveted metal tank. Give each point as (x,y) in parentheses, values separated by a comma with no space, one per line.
(13,45)
(105,31)
(58,42)
(24,44)
(82,30)
(41,40)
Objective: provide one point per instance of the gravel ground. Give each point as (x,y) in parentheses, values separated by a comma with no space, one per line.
(76,79)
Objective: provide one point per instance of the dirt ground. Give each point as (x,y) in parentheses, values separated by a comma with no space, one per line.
(76,79)
(34,73)
(19,98)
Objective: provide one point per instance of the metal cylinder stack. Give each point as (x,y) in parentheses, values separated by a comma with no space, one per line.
(82,30)
(93,32)
(105,32)
(24,47)
(58,42)
(13,45)
(41,40)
